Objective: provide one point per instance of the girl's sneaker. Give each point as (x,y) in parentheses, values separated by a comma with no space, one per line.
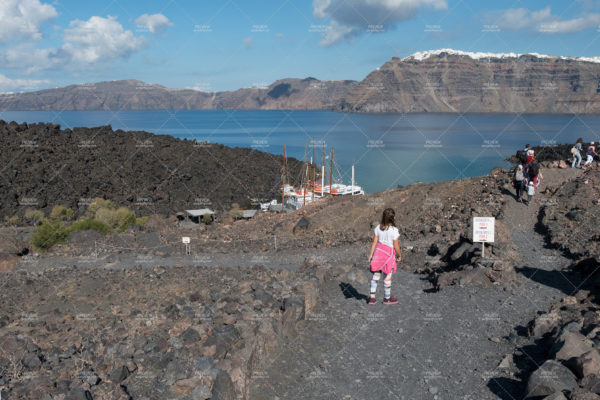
(390,300)
(371,300)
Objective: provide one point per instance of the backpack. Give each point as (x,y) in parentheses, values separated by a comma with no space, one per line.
(534,169)
(519,175)
(522,156)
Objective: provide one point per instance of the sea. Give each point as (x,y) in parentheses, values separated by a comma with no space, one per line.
(386,150)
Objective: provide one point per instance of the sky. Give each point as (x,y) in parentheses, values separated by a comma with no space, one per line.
(225,45)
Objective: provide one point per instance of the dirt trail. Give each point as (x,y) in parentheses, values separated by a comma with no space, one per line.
(444,345)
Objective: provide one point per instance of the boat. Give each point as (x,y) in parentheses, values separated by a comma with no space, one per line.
(310,192)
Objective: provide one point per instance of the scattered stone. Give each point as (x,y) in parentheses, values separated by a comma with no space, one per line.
(549,378)
(582,394)
(190,335)
(587,364)
(570,345)
(223,387)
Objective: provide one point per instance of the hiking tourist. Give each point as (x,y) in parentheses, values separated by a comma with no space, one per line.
(384,254)
(576,151)
(591,152)
(530,154)
(519,182)
(534,172)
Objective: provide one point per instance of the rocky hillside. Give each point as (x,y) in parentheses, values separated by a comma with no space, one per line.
(460,82)
(43,165)
(285,94)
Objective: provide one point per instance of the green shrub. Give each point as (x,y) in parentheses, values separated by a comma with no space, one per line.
(12,220)
(206,218)
(88,224)
(126,221)
(48,234)
(141,221)
(61,213)
(97,204)
(236,213)
(34,216)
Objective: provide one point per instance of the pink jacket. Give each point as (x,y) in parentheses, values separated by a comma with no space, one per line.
(384,259)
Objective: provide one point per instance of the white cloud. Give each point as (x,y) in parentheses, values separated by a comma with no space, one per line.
(22,19)
(350,18)
(248,42)
(155,23)
(9,85)
(99,39)
(28,59)
(544,22)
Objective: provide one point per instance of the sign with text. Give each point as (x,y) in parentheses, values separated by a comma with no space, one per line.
(483,229)
(185,239)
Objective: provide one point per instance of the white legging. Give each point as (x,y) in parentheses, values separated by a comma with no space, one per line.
(387,284)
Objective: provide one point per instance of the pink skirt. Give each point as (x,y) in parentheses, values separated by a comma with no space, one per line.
(384,259)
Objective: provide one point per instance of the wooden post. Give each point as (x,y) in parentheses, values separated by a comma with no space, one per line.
(482,249)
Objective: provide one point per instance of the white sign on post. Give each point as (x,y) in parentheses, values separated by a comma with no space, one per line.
(186,240)
(483,231)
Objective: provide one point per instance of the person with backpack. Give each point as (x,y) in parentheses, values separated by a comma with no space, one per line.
(534,174)
(591,152)
(576,151)
(383,256)
(530,154)
(519,182)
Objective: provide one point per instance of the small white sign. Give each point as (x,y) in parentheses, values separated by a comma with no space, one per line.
(483,229)
(185,239)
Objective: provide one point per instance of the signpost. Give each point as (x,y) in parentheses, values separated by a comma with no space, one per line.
(186,241)
(483,231)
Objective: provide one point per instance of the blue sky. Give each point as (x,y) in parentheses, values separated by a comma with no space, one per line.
(224,45)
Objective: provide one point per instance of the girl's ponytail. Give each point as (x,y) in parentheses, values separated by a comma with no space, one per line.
(387,219)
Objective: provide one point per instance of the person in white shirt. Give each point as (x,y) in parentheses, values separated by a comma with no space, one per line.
(385,251)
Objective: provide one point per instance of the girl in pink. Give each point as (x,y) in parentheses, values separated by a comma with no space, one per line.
(384,254)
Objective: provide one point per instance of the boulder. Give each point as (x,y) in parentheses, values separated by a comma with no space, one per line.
(190,335)
(223,387)
(201,392)
(8,262)
(293,311)
(222,338)
(549,378)
(582,394)
(556,396)
(544,324)
(460,251)
(119,374)
(587,364)
(591,383)
(301,226)
(570,345)
(562,164)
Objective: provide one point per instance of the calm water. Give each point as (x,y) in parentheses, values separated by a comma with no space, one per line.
(386,149)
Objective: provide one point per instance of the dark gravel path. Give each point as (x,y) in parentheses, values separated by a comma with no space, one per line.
(444,345)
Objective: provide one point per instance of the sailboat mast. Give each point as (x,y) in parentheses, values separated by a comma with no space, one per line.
(305,178)
(314,160)
(323,170)
(331,170)
(352,179)
(283,182)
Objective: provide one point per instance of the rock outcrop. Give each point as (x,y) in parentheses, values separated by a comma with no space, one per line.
(458,82)
(284,94)
(153,174)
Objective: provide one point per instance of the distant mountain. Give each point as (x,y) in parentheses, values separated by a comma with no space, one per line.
(292,94)
(460,82)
